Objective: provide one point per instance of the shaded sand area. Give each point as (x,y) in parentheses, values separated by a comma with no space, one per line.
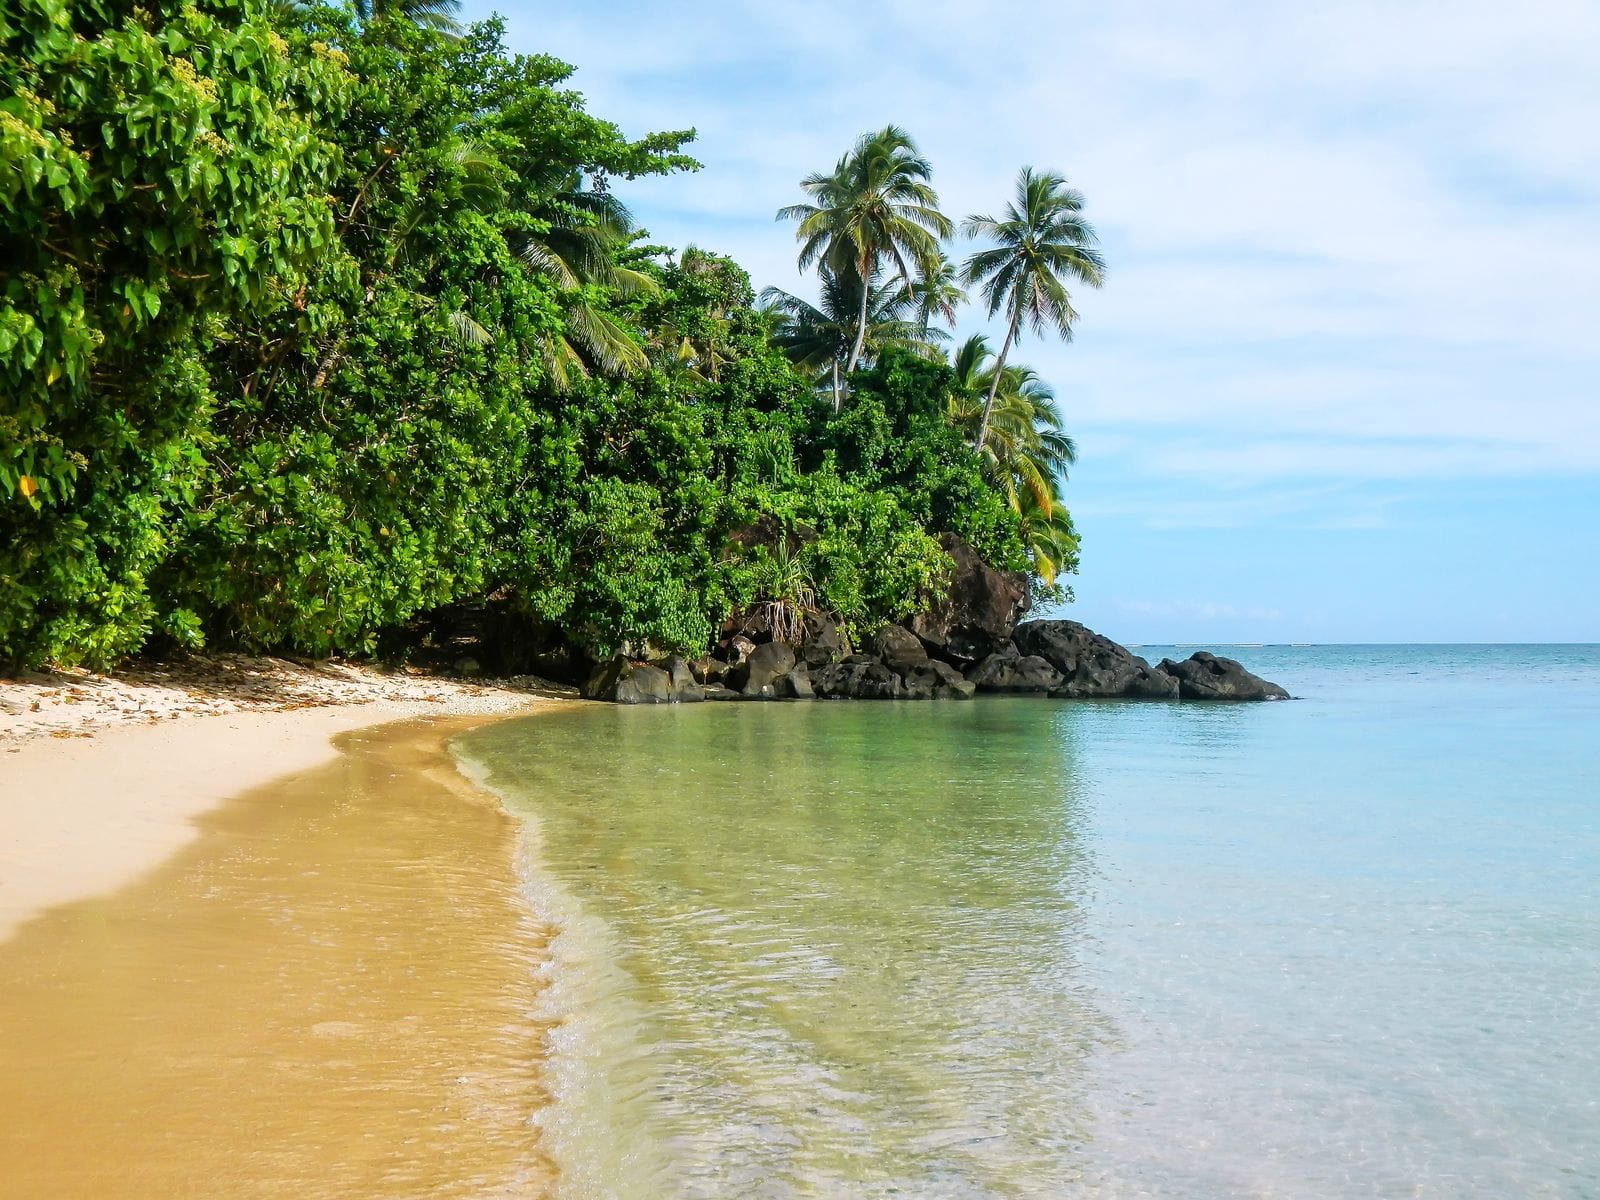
(328,991)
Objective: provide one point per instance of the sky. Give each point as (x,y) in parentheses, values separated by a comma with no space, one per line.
(1343,381)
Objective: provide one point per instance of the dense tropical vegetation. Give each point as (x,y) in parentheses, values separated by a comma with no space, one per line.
(316,321)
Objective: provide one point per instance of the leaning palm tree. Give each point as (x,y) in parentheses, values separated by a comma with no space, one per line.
(876,207)
(1050,539)
(819,338)
(1025,452)
(1041,242)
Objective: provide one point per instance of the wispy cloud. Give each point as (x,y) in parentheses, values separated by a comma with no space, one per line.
(1197,610)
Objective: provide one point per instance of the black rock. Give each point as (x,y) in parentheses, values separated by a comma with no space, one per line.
(979,608)
(625,682)
(764,666)
(681,672)
(1008,670)
(708,670)
(715,691)
(1204,676)
(796,685)
(1092,665)
(869,680)
(898,647)
(940,680)
(824,642)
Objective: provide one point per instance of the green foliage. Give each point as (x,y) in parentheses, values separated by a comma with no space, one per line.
(161,173)
(315,320)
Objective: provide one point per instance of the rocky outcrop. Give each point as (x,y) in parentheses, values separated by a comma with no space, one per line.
(1092,665)
(1204,676)
(1009,670)
(1062,658)
(969,642)
(980,607)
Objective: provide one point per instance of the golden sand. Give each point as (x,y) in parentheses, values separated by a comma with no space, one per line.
(329,993)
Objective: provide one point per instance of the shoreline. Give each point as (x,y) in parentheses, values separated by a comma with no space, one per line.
(319,929)
(105,777)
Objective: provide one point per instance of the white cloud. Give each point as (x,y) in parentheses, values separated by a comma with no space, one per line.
(1348,242)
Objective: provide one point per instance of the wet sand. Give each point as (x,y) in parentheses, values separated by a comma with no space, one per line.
(328,993)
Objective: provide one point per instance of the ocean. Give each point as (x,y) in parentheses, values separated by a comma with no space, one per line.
(1345,946)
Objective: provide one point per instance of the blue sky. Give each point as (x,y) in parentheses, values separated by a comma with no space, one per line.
(1343,383)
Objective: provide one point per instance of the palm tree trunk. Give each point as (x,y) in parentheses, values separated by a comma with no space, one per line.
(838,396)
(994,385)
(861,319)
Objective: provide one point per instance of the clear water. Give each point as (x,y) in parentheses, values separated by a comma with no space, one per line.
(1347,946)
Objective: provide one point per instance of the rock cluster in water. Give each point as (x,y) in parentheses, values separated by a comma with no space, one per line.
(971,642)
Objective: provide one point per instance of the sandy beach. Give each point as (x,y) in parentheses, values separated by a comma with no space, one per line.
(260,938)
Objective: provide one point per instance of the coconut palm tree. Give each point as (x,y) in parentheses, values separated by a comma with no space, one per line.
(585,229)
(876,207)
(1050,539)
(1025,451)
(1041,243)
(819,338)
(938,293)
(438,15)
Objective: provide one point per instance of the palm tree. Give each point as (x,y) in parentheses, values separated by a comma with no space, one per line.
(1025,451)
(438,15)
(819,338)
(1042,241)
(585,228)
(1050,539)
(937,294)
(876,206)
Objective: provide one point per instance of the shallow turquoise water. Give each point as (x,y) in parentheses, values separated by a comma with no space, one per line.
(1347,946)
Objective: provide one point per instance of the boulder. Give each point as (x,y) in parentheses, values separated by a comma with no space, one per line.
(898,647)
(1009,670)
(740,648)
(1152,683)
(796,685)
(1204,676)
(708,670)
(623,681)
(980,608)
(762,667)
(869,680)
(1092,665)
(824,642)
(938,679)
(715,691)
(681,672)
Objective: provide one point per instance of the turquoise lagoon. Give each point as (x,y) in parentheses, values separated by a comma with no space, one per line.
(1347,946)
